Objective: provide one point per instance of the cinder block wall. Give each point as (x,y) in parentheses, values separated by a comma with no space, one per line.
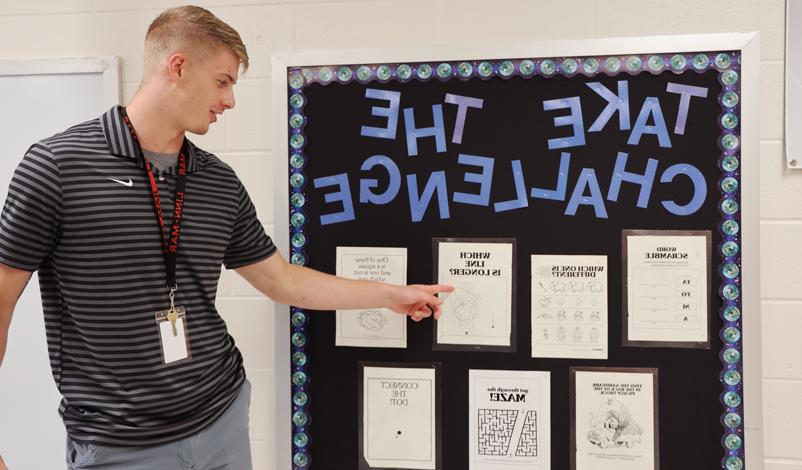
(75,28)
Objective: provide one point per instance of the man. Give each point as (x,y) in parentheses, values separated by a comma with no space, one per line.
(149,376)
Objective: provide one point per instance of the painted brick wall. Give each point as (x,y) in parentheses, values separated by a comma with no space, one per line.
(75,28)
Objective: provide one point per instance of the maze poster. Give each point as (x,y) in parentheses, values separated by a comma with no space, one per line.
(509,420)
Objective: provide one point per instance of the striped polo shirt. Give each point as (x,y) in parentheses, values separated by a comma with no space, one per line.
(80,211)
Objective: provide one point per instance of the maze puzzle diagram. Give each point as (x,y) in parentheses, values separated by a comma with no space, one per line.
(501,431)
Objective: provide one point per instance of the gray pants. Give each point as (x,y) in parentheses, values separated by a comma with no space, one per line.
(224,444)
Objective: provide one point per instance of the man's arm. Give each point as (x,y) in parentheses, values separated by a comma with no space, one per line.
(12,282)
(296,285)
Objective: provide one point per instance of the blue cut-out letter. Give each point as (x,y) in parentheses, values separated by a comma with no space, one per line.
(619,102)
(343,195)
(699,188)
(419,203)
(685,92)
(366,185)
(587,179)
(483,179)
(463,103)
(391,113)
(557,194)
(645,180)
(520,200)
(651,107)
(413,133)
(574,119)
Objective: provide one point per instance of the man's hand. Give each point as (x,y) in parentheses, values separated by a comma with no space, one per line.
(2,464)
(303,287)
(418,301)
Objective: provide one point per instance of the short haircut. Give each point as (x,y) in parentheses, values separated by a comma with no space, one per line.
(187,28)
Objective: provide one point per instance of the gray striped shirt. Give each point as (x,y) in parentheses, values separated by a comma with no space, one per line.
(80,211)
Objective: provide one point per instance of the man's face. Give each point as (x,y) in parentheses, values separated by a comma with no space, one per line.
(207,84)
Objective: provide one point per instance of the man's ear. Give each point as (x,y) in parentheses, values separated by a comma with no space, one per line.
(175,66)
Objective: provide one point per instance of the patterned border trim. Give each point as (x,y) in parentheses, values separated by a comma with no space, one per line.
(729,272)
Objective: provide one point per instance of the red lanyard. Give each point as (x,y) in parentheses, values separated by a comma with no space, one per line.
(170,245)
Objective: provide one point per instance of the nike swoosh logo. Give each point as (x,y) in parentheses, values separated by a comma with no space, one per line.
(128,183)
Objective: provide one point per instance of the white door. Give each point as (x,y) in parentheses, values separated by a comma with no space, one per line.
(37,104)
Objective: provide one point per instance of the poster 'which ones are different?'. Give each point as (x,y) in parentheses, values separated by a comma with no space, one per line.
(569,306)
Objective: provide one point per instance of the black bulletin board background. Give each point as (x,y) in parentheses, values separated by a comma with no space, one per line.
(512,125)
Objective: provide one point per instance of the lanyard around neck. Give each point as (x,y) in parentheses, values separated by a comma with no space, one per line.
(170,244)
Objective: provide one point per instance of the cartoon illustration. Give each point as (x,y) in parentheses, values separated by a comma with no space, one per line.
(465,299)
(576,335)
(371,320)
(614,426)
(557,287)
(576,287)
(561,334)
(594,335)
(595,287)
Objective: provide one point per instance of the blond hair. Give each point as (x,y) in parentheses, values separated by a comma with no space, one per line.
(189,28)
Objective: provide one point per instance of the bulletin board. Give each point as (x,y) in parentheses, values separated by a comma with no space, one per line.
(565,149)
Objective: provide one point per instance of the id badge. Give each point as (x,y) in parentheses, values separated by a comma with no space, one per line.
(173,335)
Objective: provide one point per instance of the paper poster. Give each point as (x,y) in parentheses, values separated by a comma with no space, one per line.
(615,419)
(399,418)
(509,420)
(480,310)
(375,327)
(569,306)
(667,293)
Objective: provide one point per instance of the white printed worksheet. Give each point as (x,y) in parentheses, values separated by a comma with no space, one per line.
(614,419)
(374,327)
(399,418)
(480,310)
(667,277)
(509,419)
(569,306)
